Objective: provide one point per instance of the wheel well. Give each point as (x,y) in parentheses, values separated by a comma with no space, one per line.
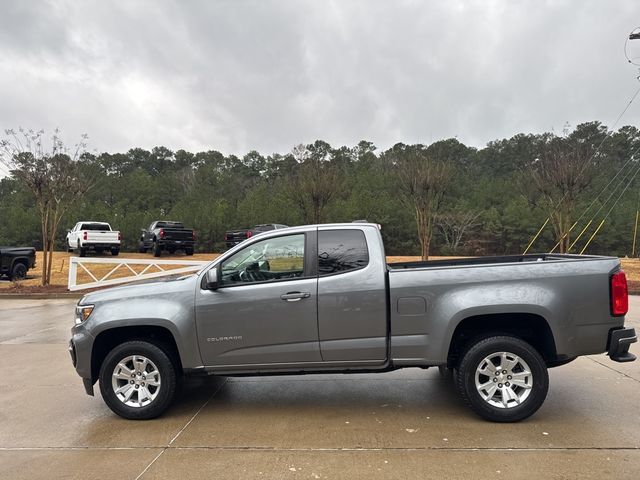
(531,328)
(109,339)
(24,261)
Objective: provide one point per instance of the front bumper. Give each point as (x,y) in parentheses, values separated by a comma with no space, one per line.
(80,347)
(619,341)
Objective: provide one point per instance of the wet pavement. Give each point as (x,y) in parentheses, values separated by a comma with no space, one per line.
(404,424)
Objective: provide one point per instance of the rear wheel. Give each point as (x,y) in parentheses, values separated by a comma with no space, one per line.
(18,272)
(138,380)
(188,251)
(503,379)
(81,250)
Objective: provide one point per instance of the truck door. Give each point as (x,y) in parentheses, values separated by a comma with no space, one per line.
(352,302)
(265,310)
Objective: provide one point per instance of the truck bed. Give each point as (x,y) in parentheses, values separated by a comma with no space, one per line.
(571,292)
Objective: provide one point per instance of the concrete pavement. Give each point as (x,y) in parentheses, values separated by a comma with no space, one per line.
(405,424)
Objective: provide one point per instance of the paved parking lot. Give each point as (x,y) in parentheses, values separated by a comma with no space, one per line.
(405,424)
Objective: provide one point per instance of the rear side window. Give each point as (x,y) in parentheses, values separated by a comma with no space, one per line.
(341,251)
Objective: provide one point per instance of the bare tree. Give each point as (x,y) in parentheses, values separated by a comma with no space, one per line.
(315,182)
(454,225)
(556,178)
(422,179)
(55,177)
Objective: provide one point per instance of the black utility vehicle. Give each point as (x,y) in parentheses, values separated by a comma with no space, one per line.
(16,262)
(165,235)
(234,237)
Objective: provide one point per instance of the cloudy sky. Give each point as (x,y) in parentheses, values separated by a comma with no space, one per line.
(266,75)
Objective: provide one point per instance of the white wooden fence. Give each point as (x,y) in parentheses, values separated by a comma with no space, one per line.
(152,269)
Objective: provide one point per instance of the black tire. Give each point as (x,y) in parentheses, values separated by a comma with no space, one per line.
(81,250)
(188,251)
(157,251)
(115,251)
(168,380)
(18,272)
(474,358)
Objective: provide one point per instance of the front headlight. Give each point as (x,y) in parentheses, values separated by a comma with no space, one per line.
(83,312)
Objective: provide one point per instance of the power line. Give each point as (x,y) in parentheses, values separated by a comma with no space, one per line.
(612,192)
(611,209)
(584,167)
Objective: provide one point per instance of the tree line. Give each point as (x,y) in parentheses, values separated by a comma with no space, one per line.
(445,198)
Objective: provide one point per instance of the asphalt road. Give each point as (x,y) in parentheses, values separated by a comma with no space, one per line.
(405,424)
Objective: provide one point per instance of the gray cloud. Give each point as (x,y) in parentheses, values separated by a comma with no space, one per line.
(265,75)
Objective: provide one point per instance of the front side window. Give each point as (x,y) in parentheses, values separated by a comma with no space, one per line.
(341,250)
(272,259)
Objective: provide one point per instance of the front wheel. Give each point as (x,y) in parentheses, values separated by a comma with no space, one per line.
(18,272)
(138,380)
(157,250)
(503,379)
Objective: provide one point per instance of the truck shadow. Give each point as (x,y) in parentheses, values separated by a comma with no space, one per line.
(315,394)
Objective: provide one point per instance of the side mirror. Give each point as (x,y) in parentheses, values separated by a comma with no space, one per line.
(211,279)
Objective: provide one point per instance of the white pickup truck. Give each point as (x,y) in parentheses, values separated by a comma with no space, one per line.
(96,236)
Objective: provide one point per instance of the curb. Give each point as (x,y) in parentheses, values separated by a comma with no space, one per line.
(39,296)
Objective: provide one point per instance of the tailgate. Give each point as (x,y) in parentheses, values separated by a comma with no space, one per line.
(236,236)
(99,236)
(177,234)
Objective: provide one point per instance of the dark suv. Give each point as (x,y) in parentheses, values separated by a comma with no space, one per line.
(234,237)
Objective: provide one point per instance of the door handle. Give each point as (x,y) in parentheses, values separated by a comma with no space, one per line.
(295,296)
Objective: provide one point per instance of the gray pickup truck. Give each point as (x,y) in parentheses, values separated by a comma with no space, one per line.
(323,299)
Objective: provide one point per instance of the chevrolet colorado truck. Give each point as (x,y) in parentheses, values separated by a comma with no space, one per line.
(323,299)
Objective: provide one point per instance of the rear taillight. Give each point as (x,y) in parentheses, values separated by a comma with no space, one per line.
(619,294)
(162,233)
(84,235)
(249,233)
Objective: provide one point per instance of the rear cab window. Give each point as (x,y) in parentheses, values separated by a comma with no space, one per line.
(95,226)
